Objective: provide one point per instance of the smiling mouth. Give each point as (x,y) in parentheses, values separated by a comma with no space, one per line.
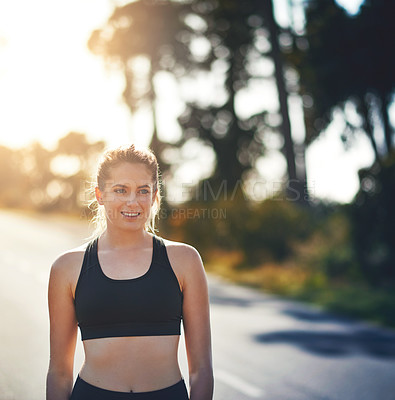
(130,214)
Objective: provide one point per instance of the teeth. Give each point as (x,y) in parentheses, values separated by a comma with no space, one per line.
(131,214)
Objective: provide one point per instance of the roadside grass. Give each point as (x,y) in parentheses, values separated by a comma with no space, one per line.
(350,298)
(355,300)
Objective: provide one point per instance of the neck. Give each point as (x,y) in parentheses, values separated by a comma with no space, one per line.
(116,238)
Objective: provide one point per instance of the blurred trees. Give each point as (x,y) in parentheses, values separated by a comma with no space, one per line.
(295,155)
(346,64)
(373,220)
(230,43)
(336,63)
(12,176)
(48,180)
(260,233)
(143,38)
(230,34)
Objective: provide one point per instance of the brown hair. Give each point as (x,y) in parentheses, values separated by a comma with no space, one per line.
(112,158)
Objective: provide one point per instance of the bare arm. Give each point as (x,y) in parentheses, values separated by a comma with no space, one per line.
(63,331)
(196,319)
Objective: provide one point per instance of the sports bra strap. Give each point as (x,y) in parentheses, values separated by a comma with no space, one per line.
(159,249)
(89,256)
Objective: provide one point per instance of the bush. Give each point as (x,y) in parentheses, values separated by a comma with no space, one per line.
(262,232)
(373,219)
(328,250)
(268,230)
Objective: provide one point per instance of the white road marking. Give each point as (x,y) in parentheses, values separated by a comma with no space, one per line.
(239,384)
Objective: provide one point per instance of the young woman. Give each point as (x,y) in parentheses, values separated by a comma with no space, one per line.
(128,290)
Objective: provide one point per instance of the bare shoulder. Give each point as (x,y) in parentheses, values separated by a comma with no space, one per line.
(185,260)
(182,252)
(67,266)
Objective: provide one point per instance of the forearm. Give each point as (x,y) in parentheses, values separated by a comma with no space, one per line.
(201,384)
(59,386)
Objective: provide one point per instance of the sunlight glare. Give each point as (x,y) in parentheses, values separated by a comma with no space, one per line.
(351,6)
(50,83)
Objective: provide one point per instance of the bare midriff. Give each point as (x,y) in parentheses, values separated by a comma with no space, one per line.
(131,364)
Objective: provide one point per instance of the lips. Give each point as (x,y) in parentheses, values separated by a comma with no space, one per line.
(130,214)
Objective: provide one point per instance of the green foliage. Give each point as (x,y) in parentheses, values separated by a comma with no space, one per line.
(353,299)
(321,265)
(328,251)
(373,220)
(267,231)
(262,232)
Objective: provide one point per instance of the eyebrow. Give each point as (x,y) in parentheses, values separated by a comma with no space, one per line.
(125,186)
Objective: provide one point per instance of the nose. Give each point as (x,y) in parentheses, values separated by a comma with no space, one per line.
(131,199)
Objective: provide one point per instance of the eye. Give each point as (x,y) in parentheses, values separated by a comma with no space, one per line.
(120,191)
(144,191)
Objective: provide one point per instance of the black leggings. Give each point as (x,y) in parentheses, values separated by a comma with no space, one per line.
(85,391)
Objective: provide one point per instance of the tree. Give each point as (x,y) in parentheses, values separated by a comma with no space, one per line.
(297,178)
(143,38)
(55,179)
(376,29)
(231,32)
(237,142)
(344,59)
(373,218)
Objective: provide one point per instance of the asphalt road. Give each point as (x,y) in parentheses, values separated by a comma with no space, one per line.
(263,347)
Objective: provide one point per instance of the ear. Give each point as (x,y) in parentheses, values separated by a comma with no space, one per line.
(99,196)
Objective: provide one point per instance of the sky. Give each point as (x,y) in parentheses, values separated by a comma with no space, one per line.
(50,84)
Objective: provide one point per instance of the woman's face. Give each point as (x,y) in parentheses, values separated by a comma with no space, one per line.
(128,196)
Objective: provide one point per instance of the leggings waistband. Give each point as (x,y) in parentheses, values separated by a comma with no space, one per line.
(85,391)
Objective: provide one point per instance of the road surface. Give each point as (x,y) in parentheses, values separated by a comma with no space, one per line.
(263,347)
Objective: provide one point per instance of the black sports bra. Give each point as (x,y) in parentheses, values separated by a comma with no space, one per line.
(148,305)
